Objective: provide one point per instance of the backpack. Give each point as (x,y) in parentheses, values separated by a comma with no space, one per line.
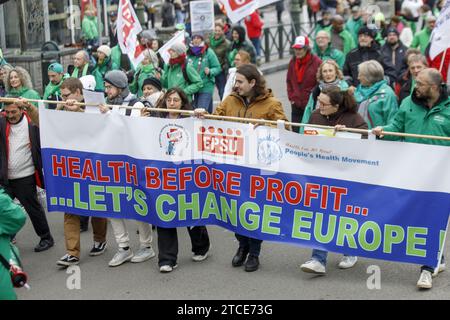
(185,74)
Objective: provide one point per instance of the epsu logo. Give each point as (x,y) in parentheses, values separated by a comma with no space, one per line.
(217,141)
(236,4)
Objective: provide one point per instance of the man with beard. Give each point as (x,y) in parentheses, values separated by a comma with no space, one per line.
(394,51)
(427,112)
(56,76)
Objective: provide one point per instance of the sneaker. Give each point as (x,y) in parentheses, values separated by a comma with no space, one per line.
(98,248)
(348,262)
(313,266)
(68,260)
(167,268)
(143,254)
(425,280)
(121,257)
(199,257)
(440,269)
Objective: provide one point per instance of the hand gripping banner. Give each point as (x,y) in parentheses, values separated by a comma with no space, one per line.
(375,199)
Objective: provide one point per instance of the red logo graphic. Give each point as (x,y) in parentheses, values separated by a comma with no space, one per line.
(236,4)
(217,141)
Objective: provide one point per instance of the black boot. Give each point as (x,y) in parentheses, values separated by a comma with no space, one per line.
(252,263)
(240,256)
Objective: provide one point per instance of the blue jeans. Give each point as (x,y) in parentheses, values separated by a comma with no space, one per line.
(204,100)
(221,80)
(257,44)
(179,16)
(321,256)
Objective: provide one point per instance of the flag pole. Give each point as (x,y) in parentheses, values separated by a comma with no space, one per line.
(442,61)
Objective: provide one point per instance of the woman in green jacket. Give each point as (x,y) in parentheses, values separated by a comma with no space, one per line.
(18,84)
(104,65)
(205,62)
(329,74)
(148,68)
(12,219)
(179,73)
(377,101)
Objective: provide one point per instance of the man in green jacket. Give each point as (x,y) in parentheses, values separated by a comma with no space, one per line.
(354,23)
(82,65)
(426,111)
(220,44)
(12,219)
(179,73)
(56,76)
(205,62)
(340,38)
(89,28)
(422,38)
(325,51)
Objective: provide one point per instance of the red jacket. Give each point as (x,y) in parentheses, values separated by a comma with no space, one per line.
(436,63)
(298,93)
(254,25)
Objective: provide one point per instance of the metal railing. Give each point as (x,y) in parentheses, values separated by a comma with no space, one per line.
(276,40)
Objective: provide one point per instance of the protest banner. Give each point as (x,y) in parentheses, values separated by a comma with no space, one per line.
(364,198)
(128,27)
(237,10)
(202,16)
(440,37)
(164,50)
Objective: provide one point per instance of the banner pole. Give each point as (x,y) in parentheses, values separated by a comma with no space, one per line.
(442,61)
(236,119)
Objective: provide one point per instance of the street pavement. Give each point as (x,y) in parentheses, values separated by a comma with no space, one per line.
(279,276)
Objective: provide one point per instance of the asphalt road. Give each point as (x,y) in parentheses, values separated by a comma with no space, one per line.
(279,276)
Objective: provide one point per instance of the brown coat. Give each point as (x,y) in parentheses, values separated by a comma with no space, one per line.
(348,119)
(265,107)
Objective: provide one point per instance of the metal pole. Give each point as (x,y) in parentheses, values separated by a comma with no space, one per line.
(46,20)
(105,15)
(23,37)
(99,22)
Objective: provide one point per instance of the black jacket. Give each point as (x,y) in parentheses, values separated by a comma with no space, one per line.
(35,151)
(359,55)
(400,53)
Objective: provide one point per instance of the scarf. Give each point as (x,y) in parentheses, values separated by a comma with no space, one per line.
(300,66)
(364,93)
(181,59)
(198,51)
(119,100)
(215,42)
(83,73)
(323,85)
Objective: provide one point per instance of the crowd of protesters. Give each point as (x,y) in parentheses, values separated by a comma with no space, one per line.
(354,71)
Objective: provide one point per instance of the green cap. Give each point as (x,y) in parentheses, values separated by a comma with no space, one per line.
(56,67)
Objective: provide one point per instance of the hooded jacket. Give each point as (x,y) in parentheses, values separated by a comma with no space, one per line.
(414,116)
(207,59)
(242,44)
(173,77)
(265,107)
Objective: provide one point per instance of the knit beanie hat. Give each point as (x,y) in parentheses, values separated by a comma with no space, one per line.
(104,49)
(117,78)
(367,31)
(178,48)
(154,82)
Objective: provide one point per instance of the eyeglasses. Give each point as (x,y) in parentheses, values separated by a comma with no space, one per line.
(324,104)
(174,100)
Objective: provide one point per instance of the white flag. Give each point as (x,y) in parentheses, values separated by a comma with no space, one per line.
(164,50)
(128,27)
(239,9)
(440,37)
